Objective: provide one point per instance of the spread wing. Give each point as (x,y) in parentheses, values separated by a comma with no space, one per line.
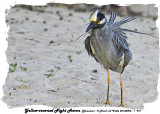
(119,39)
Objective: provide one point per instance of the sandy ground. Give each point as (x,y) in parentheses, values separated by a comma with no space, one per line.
(40,43)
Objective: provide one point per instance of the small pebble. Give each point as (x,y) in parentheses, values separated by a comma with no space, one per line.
(51,42)
(12,19)
(155,18)
(14,88)
(55,25)
(34,21)
(26,19)
(57,12)
(70,14)
(61,18)
(20,32)
(93,79)
(7,21)
(35,101)
(94,71)
(135,30)
(44,22)
(45,29)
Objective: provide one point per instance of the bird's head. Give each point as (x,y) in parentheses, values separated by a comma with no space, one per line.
(97,20)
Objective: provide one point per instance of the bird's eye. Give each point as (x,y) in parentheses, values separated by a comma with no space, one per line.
(98,22)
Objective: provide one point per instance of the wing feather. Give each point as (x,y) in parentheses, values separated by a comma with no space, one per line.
(112,18)
(89,48)
(120,39)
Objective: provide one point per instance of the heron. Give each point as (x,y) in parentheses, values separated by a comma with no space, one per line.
(107,44)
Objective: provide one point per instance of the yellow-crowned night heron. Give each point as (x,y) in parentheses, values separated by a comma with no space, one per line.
(107,44)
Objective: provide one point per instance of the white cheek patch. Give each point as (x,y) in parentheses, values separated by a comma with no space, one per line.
(102,21)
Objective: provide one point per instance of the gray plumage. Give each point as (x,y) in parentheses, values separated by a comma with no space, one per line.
(108,44)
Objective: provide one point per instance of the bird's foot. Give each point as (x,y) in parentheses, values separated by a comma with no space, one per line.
(122,105)
(107,102)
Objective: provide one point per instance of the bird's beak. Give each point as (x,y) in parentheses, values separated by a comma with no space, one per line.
(91,25)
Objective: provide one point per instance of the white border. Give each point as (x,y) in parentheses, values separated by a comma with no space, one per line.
(148,108)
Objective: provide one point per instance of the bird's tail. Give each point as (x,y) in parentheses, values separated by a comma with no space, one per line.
(138,32)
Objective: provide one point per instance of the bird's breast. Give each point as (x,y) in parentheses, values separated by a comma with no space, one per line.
(104,49)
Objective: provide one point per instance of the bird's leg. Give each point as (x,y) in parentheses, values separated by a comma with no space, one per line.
(121,84)
(108,79)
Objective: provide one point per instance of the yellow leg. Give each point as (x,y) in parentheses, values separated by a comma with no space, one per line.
(108,79)
(121,84)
